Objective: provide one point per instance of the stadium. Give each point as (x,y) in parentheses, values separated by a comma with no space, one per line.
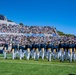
(15,61)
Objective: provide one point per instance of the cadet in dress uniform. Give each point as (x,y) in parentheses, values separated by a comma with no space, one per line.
(66,50)
(14,51)
(5,48)
(70,48)
(42,48)
(37,49)
(61,47)
(75,52)
(21,53)
(73,47)
(59,51)
(55,48)
(49,48)
(33,50)
(28,50)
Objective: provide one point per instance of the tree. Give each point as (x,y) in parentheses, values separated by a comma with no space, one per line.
(63,34)
(21,24)
(60,33)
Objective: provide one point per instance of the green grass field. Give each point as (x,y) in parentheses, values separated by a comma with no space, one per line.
(32,67)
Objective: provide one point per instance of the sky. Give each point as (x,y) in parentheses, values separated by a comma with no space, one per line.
(58,13)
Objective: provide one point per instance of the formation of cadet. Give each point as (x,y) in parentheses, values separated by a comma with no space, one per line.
(63,51)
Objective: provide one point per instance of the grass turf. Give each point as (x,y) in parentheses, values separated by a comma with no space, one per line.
(32,67)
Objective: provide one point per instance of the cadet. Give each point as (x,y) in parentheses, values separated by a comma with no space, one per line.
(61,48)
(49,48)
(73,47)
(13,48)
(66,50)
(55,48)
(33,50)
(21,53)
(28,50)
(75,52)
(70,48)
(59,51)
(37,49)
(5,48)
(42,48)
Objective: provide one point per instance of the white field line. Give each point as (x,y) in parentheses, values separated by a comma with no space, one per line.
(36,63)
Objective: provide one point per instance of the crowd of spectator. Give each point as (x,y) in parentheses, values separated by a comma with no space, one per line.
(27,29)
(23,39)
